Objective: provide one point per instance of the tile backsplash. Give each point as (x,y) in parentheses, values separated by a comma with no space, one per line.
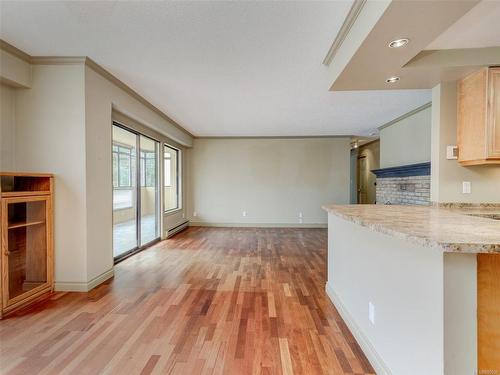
(404,190)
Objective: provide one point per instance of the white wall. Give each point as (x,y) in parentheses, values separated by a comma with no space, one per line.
(101,97)
(460,313)
(271,179)
(7,127)
(424,299)
(447,175)
(367,266)
(62,125)
(49,137)
(407,141)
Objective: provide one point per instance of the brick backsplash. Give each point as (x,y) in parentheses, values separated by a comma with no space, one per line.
(404,190)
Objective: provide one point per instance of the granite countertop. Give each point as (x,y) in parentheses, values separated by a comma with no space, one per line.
(451,229)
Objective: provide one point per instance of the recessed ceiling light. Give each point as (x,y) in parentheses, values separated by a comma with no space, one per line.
(399,43)
(392,79)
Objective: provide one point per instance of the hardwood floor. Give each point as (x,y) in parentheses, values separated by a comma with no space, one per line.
(208,301)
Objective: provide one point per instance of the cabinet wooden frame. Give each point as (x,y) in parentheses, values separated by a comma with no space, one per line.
(493,112)
(488,311)
(9,304)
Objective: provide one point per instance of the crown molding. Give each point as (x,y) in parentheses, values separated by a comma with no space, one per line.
(275,137)
(87,61)
(411,113)
(58,60)
(351,17)
(112,78)
(9,48)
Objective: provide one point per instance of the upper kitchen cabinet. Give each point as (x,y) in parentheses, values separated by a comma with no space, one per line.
(478,134)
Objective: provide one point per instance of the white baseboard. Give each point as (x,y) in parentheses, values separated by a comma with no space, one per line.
(367,347)
(98,280)
(255,225)
(71,286)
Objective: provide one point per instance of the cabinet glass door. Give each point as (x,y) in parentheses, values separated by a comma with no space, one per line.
(25,249)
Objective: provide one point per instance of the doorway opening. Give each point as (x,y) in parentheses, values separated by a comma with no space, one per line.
(364,159)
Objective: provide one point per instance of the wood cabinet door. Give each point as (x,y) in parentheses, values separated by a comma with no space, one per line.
(493,138)
(471,116)
(26,247)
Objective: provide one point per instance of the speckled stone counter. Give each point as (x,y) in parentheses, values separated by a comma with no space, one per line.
(468,230)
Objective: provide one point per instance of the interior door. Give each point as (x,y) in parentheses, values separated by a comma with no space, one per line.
(362,180)
(25,243)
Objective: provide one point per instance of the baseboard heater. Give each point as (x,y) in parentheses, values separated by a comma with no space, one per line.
(177,229)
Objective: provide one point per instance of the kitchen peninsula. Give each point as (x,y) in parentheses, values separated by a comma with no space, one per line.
(419,287)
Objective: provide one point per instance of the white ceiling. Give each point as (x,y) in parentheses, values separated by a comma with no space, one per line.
(480,27)
(217,68)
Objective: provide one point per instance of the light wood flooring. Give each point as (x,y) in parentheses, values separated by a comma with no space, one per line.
(208,301)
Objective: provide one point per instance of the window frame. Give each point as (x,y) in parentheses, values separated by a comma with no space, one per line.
(178,178)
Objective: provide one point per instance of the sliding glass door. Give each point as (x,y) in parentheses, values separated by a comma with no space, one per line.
(135,191)
(124,191)
(149,190)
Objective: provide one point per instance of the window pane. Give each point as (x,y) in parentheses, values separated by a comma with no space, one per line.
(115,169)
(171,178)
(125,170)
(168,174)
(143,172)
(150,171)
(122,199)
(125,150)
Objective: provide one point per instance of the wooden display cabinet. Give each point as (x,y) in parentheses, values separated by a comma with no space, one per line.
(26,260)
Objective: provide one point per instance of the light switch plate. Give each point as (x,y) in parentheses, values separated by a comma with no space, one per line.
(371,312)
(451,152)
(466,187)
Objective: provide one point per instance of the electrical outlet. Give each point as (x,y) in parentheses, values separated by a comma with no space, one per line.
(466,187)
(195,214)
(371,313)
(244,213)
